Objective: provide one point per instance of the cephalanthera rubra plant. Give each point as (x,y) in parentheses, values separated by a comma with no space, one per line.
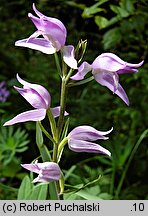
(50,38)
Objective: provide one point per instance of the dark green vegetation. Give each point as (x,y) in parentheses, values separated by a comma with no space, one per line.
(118,26)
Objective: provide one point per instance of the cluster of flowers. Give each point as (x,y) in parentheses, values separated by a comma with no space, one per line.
(49,38)
(4,93)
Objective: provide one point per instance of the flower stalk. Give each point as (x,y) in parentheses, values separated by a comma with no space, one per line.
(62,106)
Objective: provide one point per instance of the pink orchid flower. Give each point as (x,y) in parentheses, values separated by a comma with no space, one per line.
(53,38)
(106,69)
(39,98)
(47,171)
(79,140)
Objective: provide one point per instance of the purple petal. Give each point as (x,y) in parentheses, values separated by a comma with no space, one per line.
(68,56)
(40,44)
(48,174)
(82,71)
(106,79)
(130,68)
(41,179)
(83,146)
(48,165)
(88,133)
(32,115)
(115,81)
(53,20)
(36,21)
(38,88)
(36,11)
(127,70)
(53,32)
(31,167)
(109,62)
(32,97)
(56,112)
(130,65)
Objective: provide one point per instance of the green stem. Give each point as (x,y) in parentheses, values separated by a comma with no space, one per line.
(62,107)
(143,135)
(65,80)
(55,152)
(58,64)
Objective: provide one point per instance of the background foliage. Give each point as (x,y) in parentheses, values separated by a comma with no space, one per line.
(118,26)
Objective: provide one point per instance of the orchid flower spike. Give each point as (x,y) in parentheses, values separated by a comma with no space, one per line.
(53,38)
(79,140)
(105,69)
(39,98)
(47,171)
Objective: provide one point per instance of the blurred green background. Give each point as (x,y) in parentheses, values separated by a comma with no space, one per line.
(118,26)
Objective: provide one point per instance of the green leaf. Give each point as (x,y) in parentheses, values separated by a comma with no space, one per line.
(128,5)
(22,149)
(25,188)
(101,22)
(111,38)
(74,4)
(90,11)
(65,130)
(53,191)
(69,172)
(39,192)
(122,12)
(45,153)
(39,136)
(70,196)
(86,195)
(8,188)
(105,196)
